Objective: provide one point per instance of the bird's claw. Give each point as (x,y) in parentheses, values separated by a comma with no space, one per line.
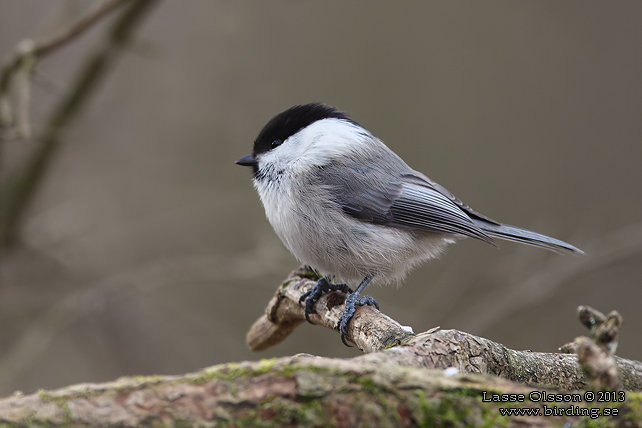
(352,302)
(312,297)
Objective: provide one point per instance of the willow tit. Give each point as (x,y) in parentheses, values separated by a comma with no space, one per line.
(347,206)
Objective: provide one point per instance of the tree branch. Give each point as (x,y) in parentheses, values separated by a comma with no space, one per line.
(373,331)
(370,330)
(303,391)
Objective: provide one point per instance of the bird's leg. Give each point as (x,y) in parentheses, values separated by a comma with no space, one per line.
(351,302)
(323,286)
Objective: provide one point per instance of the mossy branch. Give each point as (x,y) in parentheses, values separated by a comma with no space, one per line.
(309,391)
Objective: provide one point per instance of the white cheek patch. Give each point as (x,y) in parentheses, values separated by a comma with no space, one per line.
(317,144)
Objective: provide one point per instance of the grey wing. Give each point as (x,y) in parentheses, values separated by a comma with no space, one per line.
(441,189)
(406,201)
(421,205)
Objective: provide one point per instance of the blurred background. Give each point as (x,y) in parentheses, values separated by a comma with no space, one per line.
(146,250)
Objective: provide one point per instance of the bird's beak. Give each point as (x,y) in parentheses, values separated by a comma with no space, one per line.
(248,160)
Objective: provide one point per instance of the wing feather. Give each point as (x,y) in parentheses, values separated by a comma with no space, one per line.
(392,194)
(421,206)
(406,201)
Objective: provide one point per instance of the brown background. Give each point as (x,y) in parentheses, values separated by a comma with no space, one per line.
(147,250)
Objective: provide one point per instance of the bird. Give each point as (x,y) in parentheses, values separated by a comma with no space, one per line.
(350,208)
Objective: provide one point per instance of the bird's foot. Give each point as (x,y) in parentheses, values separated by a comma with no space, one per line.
(352,302)
(312,297)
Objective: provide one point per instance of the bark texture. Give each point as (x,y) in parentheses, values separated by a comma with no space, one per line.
(302,391)
(373,331)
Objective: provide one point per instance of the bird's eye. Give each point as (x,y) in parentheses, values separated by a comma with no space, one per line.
(276,143)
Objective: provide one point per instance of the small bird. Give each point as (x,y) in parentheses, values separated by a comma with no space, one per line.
(346,205)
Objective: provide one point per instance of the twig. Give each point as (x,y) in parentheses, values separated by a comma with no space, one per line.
(374,333)
(596,355)
(21,187)
(38,49)
(23,95)
(370,329)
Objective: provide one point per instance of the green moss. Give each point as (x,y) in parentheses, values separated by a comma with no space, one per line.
(470,392)
(276,411)
(231,371)
(308,274)
(144,379)
(286,284)
(634,402)
(368,383)
(265,365)
(61,403)
(313,406)
(292,413)
(177,423)
(456,411)
(293,369)
(630,413)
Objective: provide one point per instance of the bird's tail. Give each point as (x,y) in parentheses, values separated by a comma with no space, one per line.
(516,234)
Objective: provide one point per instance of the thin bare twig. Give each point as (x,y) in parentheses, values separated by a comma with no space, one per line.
(20,189)
(40,48)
